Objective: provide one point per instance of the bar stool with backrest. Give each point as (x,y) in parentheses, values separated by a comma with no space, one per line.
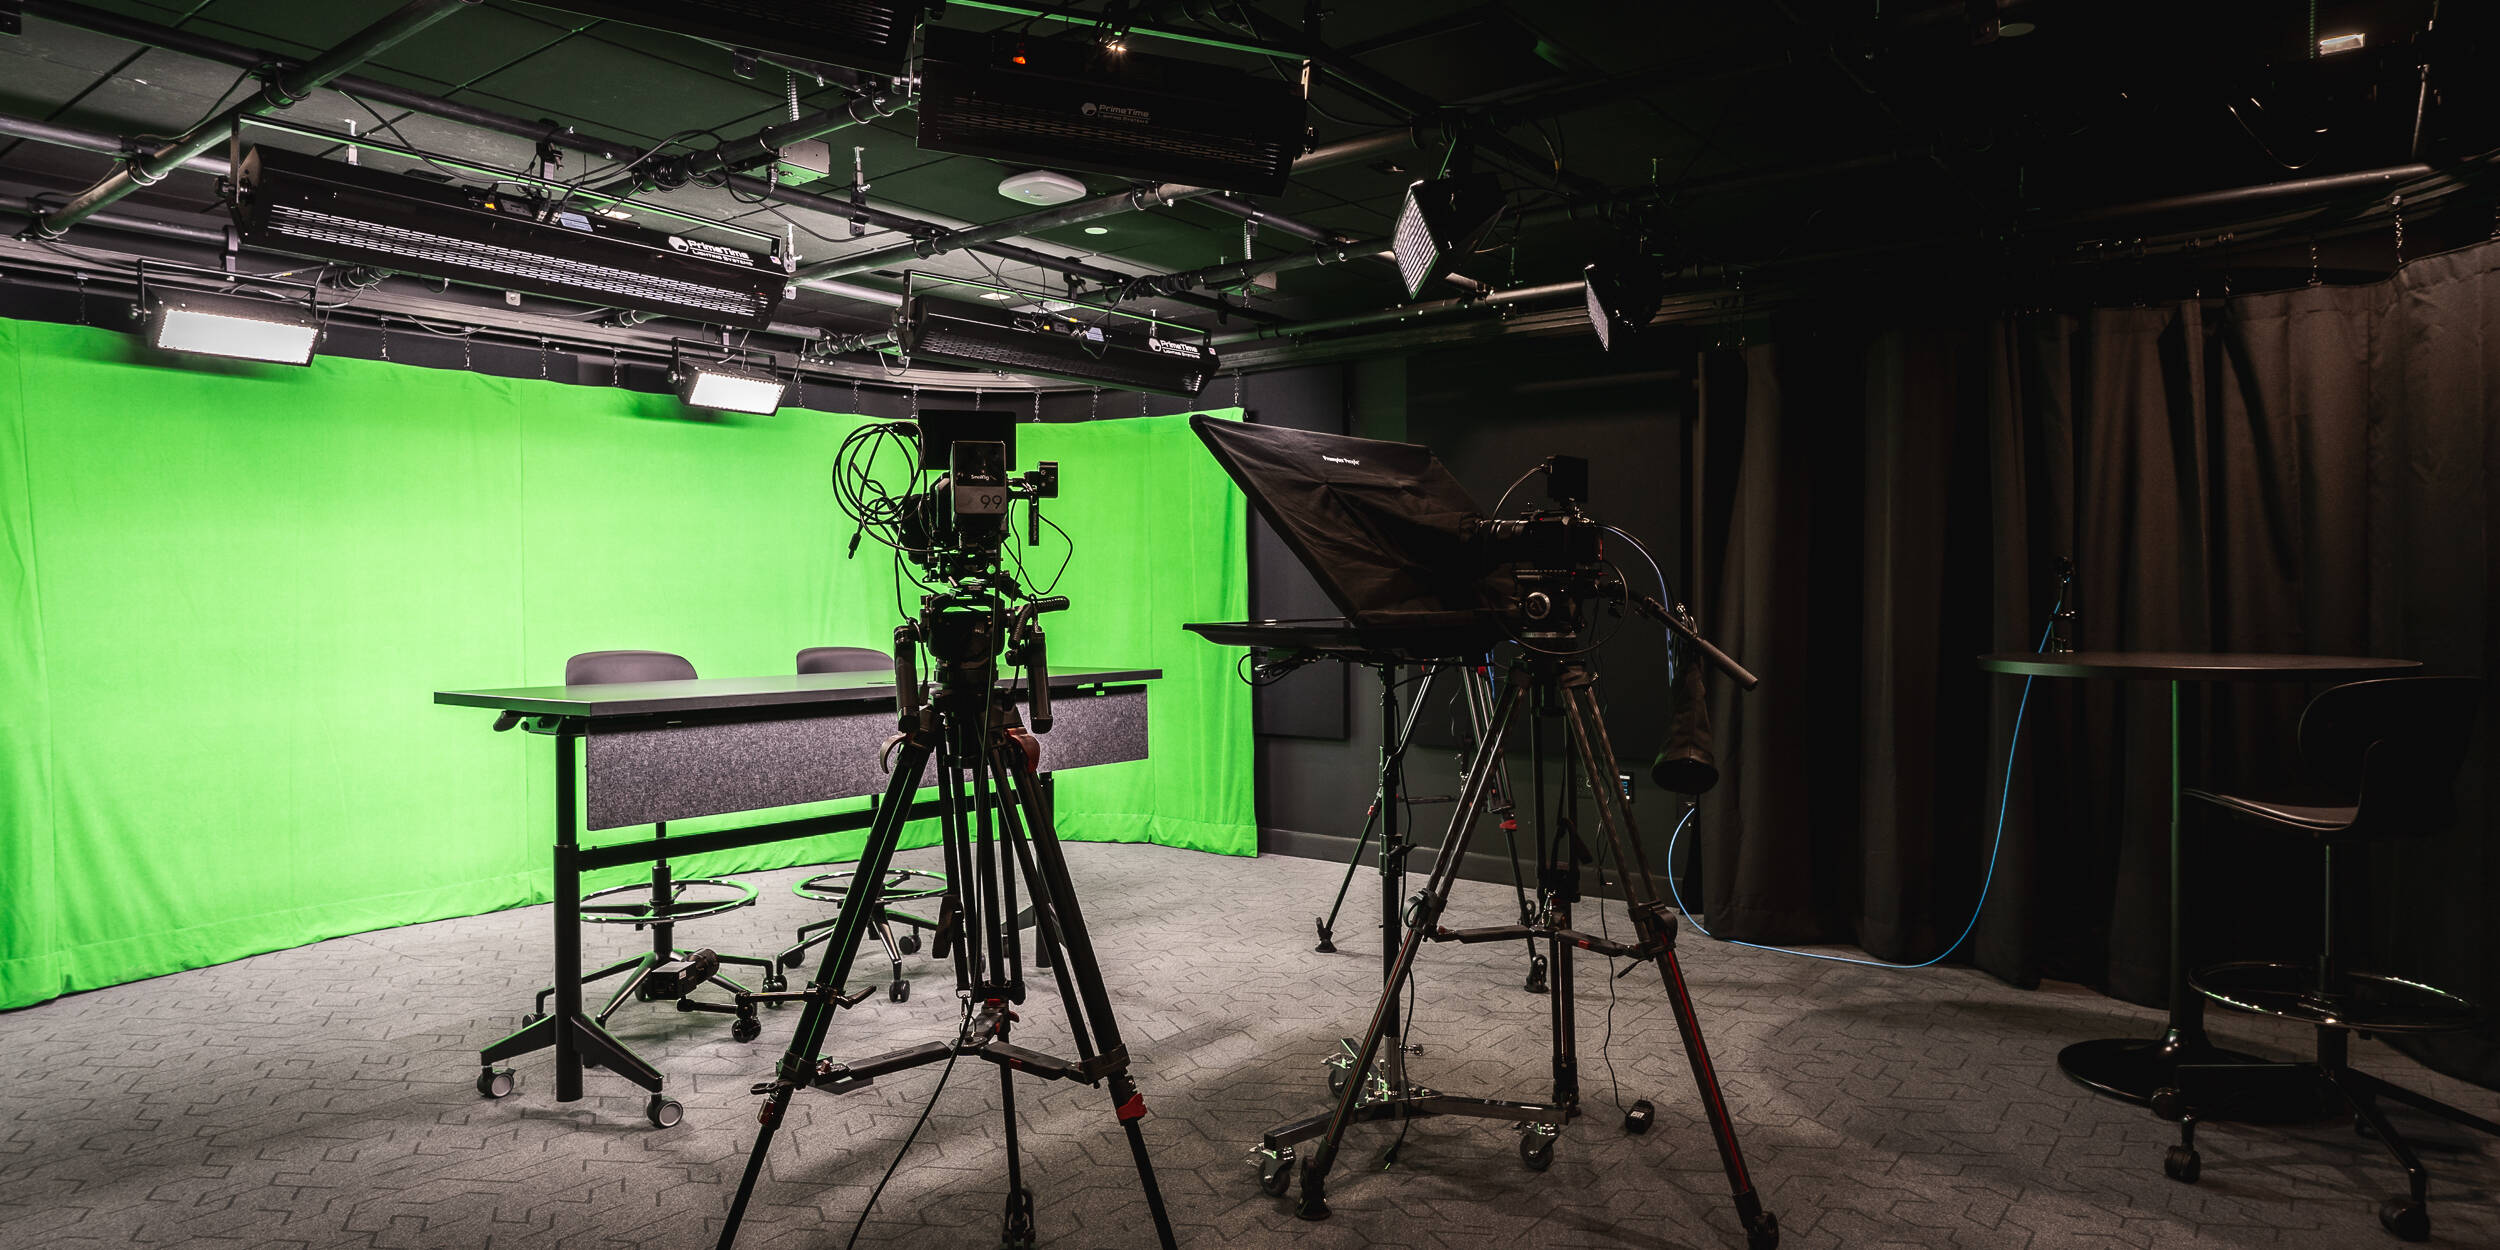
(895,924)
(664,971)
(2393,746)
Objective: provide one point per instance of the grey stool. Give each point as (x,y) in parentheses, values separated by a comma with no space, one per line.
(2392,747)
(664,971)
(902,885)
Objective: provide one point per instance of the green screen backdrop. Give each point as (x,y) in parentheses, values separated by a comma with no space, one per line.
(228,591)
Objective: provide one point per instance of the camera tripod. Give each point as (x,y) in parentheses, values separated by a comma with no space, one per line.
(1396,735)
(995,829)
(1554,686)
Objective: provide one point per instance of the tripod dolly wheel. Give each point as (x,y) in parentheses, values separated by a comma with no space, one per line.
(746,1029)
(909,943)
(900,991)
(1275,1171)
(663,1111)
(497,1082)
(793,957)
(1536,1150)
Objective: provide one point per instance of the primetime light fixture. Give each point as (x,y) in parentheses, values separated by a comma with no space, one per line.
(195,322)
(1101,347)
(734,384)
(1441,222)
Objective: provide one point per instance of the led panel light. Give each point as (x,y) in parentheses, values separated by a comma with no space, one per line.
(1159,360)
(1441,222)
(1623,295)
(732,388)
(238,329)
(331,210)
(1069,104)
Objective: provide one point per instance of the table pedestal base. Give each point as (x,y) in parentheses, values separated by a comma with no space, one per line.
(2133,1069)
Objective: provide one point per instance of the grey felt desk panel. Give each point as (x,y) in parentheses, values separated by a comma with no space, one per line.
(637,772)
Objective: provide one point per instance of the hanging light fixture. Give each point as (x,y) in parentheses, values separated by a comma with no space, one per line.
(1441,222)
(1623,295)
(736,383)
(196,322)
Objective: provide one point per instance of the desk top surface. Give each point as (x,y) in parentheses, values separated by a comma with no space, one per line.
(2193,665)
(717,694)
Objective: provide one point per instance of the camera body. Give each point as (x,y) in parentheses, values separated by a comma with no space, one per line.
(957,527)
(1555,562)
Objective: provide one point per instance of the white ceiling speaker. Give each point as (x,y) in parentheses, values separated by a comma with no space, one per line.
(1042,187)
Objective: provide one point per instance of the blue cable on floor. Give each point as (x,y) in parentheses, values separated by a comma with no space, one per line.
(2012,748)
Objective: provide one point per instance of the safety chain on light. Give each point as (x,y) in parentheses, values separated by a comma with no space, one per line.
(1037,403)
(1237,388)
(855,395)
(542,357)
(386,340)
(616,366)
(2397,202)
(1096,411)
(82,299)
(465,340)
(915,401)
(2313,262)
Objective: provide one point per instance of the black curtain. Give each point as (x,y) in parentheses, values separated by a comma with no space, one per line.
(2299,472)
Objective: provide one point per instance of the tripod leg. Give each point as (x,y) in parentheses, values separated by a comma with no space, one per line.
(1353,863)
(1086,973)
(798,1064)
(1640,892)
(1480,691)
(1427,911)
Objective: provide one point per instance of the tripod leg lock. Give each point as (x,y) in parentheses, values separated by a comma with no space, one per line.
(1657,924)
(1423,911)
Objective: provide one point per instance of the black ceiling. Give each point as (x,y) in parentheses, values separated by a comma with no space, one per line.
(1771,130)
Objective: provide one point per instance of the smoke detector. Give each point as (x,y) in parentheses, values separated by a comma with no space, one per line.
(1042,187)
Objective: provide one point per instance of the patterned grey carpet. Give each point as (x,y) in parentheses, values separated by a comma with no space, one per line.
(323,1097)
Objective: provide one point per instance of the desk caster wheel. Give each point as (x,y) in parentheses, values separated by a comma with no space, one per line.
(1537,1151)
(900,991)
(793,957)
(746,1029)
(1275,1172)
(532,1018)
(497,1082)
(909,943)
(2183,1164)
(1763,1233)
(2406,1218)
(663,1111)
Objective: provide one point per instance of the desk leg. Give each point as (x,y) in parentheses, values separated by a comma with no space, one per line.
(2134,1070)
(568,919)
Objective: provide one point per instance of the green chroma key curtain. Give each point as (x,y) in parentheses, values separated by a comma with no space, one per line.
(228,591)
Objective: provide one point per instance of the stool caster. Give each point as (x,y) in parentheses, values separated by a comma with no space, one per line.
(497,1082)
(532,1018)
(900,991)
(2406,1218)
(909,943)
(745,1029)
(2183,1164)
(663,1111)
(1275,1170)
(2169,1104)
(793,957)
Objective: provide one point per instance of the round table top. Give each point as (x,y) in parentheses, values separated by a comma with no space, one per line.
(2193,665)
